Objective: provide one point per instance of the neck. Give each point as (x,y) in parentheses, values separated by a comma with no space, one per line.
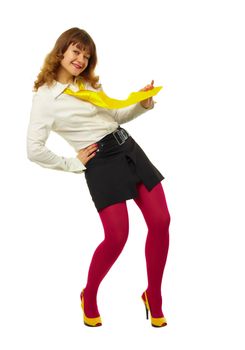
(64,78)
(65,81)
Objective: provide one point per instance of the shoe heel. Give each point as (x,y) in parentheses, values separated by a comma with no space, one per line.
(144,298)
(147,312)
(155,322)
(89,321)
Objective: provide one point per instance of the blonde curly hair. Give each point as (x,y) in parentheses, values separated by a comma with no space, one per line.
(52,61)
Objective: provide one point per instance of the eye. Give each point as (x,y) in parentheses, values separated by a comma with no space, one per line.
(76,52)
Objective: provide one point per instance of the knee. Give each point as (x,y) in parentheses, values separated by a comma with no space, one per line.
(118,238)
(160,222)
(167,219)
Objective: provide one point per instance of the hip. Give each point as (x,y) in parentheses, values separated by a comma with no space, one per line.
(112,147)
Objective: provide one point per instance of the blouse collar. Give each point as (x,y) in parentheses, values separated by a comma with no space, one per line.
(57,88)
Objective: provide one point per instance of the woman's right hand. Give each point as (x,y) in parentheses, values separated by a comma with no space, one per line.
(85,154)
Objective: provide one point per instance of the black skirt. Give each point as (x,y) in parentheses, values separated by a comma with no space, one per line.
(113,173)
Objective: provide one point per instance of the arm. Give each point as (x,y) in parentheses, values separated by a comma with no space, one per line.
(39,128)
(124,115)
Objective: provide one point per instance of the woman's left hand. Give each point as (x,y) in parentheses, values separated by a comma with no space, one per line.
(149,101)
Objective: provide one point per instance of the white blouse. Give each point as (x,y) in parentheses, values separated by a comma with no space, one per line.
(79,122)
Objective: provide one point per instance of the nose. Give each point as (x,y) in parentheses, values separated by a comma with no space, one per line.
(81,60)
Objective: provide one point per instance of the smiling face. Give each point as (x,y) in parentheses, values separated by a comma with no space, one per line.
(75,61)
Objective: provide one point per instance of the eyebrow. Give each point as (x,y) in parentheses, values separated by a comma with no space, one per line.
(77,46)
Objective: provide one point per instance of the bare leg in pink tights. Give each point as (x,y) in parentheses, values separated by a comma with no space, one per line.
(116,226)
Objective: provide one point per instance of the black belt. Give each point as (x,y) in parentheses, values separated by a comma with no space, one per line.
(119,136)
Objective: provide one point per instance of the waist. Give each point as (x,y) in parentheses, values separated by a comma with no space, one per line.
(116,138)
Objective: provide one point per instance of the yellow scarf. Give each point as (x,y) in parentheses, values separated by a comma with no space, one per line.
(99,98)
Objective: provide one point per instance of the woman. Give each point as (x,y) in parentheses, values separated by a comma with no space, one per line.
(69,100)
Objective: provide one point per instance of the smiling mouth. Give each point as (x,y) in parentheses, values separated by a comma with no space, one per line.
(76,66)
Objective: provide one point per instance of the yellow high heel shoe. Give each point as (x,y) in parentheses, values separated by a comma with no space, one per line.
(89,321)
(155,322)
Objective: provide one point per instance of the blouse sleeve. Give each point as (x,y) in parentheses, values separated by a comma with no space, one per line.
(124,115)
(39,128)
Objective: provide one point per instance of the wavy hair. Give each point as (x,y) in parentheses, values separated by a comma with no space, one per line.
(52,61)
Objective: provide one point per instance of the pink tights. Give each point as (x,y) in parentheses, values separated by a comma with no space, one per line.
(116,226)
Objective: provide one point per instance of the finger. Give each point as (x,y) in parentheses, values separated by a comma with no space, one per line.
(90,149)
(152,82)
(93,149)
(92,146)
(92,155)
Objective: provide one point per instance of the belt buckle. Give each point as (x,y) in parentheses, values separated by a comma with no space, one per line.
(122,135)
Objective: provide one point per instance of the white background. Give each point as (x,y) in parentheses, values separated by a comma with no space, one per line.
(195,137)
